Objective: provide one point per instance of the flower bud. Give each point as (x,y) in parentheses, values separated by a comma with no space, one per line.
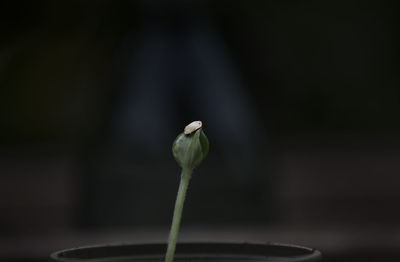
(191,146)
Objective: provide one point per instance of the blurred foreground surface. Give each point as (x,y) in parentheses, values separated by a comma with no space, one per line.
(336,244)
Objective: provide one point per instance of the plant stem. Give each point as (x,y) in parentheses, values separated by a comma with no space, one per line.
(180,199)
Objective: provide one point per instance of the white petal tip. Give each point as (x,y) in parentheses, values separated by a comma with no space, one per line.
(195,125)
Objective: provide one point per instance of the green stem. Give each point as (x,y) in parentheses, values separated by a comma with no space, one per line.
(180,199)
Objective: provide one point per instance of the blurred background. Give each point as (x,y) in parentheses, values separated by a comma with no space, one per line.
(300,101)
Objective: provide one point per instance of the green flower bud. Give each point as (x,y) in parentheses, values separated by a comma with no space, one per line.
(191,146)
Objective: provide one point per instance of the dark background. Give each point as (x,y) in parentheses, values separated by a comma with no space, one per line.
(300,101)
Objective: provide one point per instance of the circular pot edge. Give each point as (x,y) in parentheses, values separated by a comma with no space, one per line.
(247,248)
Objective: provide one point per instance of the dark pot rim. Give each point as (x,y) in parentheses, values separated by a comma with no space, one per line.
(246,251)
